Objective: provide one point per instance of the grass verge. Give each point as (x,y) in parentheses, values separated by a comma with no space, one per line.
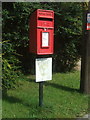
(62,98)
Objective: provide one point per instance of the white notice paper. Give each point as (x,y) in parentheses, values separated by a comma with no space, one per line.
(45,39)
(43,69)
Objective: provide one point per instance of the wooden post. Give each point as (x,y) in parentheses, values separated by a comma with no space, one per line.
(89,60)
(85,58)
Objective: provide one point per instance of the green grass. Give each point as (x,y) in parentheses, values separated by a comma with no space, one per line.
(62,98)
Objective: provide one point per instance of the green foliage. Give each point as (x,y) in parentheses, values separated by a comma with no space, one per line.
(15,35)
(9,66)
(61,98)
(8,75)
(68,35)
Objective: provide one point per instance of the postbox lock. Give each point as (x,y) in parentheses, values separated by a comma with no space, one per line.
(45,29)
(45,23)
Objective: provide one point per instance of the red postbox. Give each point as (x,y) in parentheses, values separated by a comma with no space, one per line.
(42,32)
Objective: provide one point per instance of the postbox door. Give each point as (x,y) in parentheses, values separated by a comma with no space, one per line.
(45,41)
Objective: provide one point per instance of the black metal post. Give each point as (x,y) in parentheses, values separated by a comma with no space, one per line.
(40,94)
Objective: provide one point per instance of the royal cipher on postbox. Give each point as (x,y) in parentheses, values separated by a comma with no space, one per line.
(41,32)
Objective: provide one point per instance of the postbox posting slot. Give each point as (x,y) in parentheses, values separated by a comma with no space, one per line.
(45,19)
(45,22)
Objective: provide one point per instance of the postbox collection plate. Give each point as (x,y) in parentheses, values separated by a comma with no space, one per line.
(45,39)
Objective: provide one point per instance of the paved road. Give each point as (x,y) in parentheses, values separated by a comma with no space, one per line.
(85,117)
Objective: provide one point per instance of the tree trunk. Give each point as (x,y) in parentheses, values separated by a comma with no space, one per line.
(85,58)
